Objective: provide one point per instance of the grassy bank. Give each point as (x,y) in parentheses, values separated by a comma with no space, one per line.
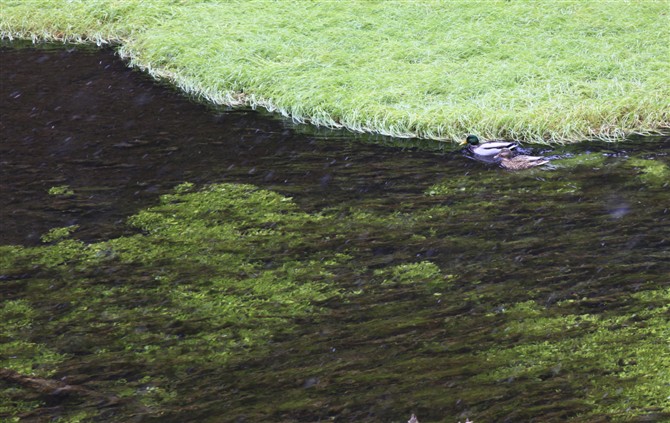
(540,71)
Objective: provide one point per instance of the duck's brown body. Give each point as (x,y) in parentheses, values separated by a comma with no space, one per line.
(519,162)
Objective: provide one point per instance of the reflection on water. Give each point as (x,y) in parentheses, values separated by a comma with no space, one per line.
(576,240)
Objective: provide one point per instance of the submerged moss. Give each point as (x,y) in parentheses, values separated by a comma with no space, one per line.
(213,273)
(652,172)
(611,355)
(423,273)
(592,160)
(57,234)
(226,275)
(61,190)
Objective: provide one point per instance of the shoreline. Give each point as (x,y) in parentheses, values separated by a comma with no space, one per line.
(329,84)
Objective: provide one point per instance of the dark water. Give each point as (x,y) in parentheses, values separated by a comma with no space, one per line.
(91,123)
(588,233)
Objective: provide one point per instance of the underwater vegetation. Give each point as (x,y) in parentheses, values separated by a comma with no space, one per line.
(227,274)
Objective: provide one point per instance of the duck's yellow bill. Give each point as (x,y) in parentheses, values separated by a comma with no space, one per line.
(463,142)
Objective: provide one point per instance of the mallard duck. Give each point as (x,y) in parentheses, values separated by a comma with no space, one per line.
(487,149)
(519,162)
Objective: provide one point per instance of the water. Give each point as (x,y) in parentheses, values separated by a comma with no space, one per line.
(509,267)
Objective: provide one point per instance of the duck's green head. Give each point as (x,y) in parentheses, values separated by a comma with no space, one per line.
(471,139)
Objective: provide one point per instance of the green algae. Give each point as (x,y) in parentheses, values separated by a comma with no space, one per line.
(652,172)
(57,234)
(614,354)
(211,276)
(217,276)
(592,160)
(422,273)
(30,357)
(61,190)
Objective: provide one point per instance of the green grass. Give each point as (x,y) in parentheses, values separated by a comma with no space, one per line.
(541,71)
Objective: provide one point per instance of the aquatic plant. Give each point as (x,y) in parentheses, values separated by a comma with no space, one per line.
(483,297)
(214,273)
(57,234)
(61,190)
(652,172)
(615,351)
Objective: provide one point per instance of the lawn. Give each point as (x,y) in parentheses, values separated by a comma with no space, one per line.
(535,71)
